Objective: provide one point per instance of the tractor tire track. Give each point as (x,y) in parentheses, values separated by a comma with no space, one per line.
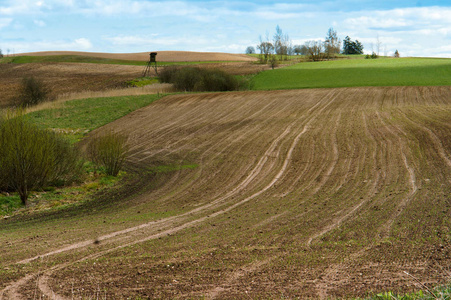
(253,174)
(271,171)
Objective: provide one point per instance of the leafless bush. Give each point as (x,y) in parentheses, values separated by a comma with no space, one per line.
(31,157)
(33,91)
(200,80)
(109,151)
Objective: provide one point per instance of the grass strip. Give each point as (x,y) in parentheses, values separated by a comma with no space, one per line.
(77,117)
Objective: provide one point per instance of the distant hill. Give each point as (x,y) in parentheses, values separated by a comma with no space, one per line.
(166,56)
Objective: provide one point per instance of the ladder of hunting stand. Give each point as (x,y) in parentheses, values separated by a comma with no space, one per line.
(152,63)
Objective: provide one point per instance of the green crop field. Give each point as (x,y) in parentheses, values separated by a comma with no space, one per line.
(357,72)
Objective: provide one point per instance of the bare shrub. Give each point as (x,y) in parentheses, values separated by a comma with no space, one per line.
(200,80)
(273,61)
(185,79)
(33,91)
(109,151)
(31,157)
(166,75)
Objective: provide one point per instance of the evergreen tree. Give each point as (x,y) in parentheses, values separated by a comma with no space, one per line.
(352,47)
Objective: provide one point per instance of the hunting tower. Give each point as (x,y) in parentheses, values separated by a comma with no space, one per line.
(152,63)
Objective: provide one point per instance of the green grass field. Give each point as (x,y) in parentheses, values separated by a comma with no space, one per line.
(357,72)
(77,117)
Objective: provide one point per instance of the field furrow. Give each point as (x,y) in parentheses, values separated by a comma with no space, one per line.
(301,193)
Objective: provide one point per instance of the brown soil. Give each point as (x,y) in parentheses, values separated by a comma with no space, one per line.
(163,56)
(64,78)
(311,194)
(67,78)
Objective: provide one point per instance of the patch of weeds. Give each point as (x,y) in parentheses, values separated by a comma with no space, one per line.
(109,180)
(143,81)
(9,203)
(441,292)
(59,198)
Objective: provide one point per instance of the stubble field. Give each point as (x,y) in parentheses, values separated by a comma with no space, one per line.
(280,194)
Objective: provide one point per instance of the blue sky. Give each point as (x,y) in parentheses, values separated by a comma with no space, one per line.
(415,28)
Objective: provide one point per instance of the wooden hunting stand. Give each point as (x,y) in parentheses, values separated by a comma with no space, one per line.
(152,63)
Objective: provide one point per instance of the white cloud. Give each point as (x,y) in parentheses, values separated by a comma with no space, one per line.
(126,25)
(406,19)
(143,41)
(14,7)
(378,21)
(5,22)
(81,44)
(39,23)
(410,30)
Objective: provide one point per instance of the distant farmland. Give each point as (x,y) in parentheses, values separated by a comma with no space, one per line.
(270,194)
(358,72)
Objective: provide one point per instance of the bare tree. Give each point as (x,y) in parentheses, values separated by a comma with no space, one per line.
(278,41)
(378,45)
(266,49)
(315,50)
(282,43)
(331,44)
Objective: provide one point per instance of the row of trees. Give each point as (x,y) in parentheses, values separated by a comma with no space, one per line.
(282,46)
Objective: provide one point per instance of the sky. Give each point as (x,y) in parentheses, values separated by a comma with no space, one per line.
(414,28)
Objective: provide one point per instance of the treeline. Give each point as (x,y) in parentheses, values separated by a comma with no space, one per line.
(281,47)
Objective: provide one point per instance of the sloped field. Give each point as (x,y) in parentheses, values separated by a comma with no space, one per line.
(164,56)
(310,193)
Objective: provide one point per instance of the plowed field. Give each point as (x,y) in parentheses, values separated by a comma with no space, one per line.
(281,194)
(63,78)
(66,78)
(164,56)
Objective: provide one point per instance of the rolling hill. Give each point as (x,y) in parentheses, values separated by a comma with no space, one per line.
(314,193)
